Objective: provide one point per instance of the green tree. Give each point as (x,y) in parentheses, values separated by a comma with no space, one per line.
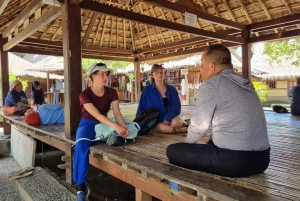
(261,90)
(285,49)
(115,65)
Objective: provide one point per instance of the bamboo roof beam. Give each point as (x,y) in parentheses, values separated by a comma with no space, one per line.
(90,28)
(117,36)
(245,11)
(111,30)
(3,4)
(171,16)
(22,17)
(164,17)
(138,30)
(229,10)
(161,34)
(46,18)
(262,4)
(287,6)
(97,31)
(49,27)
(179,7)
(156,37)
(103,30)
(124,35)
(56,32)
(216,10)
(141,9)
(211,25)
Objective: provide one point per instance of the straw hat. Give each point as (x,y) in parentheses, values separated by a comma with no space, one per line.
(14,83)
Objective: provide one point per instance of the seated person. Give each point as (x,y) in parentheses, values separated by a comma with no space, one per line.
(16,96)
(37,94)
(46,114)
(229,104)
(165,98)
(295,104)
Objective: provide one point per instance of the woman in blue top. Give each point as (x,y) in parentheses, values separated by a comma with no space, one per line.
(37,94)
(16,96)
(165,98)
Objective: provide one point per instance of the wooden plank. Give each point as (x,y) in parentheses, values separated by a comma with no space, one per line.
(148,185)
(182,8)
(23,148)
(147,20)
(89,29)
(49,16)
(33,6)
(205,184)
(3,4)
(276,36)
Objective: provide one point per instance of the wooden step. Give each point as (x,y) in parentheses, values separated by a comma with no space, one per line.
(41,186)
(4,144)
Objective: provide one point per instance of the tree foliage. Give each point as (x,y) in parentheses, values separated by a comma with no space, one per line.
(261,90)
(283,50)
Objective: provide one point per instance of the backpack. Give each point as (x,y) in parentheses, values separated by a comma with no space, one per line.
(280,109)
(147,119)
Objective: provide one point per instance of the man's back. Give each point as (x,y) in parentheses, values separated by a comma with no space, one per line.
(238,121)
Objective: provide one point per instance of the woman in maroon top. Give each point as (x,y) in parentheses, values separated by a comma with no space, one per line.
(95,102)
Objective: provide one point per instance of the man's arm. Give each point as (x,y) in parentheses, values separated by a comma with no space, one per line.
(202,117)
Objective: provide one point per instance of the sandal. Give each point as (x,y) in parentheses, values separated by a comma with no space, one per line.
(23,173)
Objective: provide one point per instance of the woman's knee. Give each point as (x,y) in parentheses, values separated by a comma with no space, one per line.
(176,122)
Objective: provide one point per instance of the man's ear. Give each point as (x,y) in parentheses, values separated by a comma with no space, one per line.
(212,66)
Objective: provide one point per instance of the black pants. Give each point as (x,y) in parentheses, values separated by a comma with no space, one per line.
(212,159)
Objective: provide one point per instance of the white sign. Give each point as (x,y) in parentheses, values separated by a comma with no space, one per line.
(190,19)
(184,71)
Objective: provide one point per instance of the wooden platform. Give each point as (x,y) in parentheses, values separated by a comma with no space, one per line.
(144,164)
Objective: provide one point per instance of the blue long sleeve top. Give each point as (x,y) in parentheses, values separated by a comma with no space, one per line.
(151,97)
(13,97)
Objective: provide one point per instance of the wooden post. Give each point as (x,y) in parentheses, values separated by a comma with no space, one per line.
(137,83)
(48,86)
(142,196)
(246,54)
(4,81)
(71,24)
(187,90)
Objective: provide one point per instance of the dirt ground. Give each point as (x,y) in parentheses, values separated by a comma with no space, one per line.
(102,185)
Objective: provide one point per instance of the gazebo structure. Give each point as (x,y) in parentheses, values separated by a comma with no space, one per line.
(137,31)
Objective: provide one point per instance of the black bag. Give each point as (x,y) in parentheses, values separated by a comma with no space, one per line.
(280,109)
(147,120)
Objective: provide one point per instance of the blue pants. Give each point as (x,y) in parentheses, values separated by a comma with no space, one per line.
(81,154)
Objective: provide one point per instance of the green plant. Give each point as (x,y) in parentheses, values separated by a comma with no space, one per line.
(261,90)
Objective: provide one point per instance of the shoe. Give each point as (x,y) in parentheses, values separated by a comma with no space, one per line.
(113,140)
(83,196)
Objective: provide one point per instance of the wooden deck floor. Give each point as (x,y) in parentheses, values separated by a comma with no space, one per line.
(282,178)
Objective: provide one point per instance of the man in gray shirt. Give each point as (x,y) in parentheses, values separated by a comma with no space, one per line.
(229,104)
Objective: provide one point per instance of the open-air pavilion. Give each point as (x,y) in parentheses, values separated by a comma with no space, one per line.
(137,31)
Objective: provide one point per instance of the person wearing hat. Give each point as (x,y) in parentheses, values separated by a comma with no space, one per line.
(95,102)
(37,94)
(164,97)
(16,96)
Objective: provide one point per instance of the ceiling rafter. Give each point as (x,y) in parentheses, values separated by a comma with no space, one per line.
(138,30)
(56,32)
(111,30)
(141,8)
(117,36)
(164,17)
(84,18)
(23,16)
(216,10)
(265,9)
(103,30)
(211,25)
(287,6)
(161,34)
(178,33)
(148,13)
(181,8)
(46,18)
(229,10)
(124,35)
(245,11)
(3,4)
(89,29)
(98,29)
(117,12)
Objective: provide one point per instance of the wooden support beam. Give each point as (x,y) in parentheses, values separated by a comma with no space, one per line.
(71,17)
(76,2)
(3,4)
(49,16)
(246,55)
(4,81)
(245,11)
(276,36)
(33,6)
(137,83)
(89,29)
(275,23)
(117,12)
(287,6)
(265,9)
(182,8)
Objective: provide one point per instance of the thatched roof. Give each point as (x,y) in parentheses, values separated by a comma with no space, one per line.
(150,31)
(52,64)
(18,67)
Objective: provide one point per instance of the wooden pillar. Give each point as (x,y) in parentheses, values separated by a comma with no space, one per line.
(187,90)
(142,196)
(137,83)
(71,25)
(4,81)
(48,86)
(246,54)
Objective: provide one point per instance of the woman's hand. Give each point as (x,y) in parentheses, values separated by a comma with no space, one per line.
(166,122)
(122,130)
